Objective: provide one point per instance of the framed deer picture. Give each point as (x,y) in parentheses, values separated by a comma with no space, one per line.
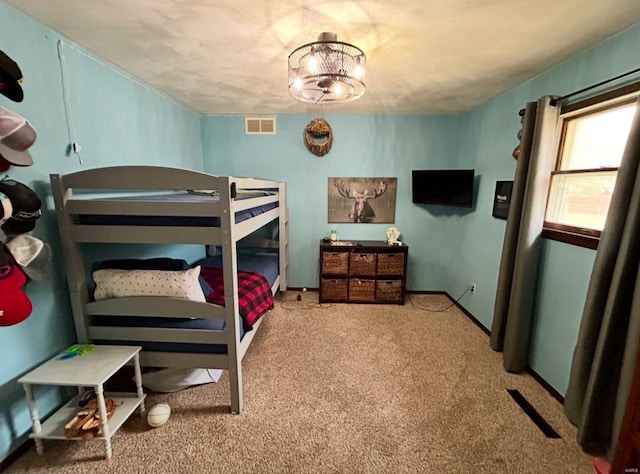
(362,200)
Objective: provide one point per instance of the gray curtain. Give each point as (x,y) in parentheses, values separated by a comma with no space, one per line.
(605,355)
(511,326)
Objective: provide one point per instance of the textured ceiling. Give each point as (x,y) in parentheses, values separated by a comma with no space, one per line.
(423,56)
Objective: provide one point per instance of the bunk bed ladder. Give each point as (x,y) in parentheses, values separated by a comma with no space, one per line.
(76,277)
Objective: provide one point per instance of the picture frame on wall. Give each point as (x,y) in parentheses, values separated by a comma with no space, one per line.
(502,199)
(362,200)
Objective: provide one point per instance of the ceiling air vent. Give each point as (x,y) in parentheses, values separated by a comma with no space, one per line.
(260,126)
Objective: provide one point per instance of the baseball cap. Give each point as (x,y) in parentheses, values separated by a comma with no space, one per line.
(10,78)
(15,305)
(32,255)
(4,164)
(26,207)
(16,136)
(6,208)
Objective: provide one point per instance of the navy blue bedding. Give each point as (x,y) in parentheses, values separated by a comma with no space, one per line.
(265,265)
(201,221)
(175,323)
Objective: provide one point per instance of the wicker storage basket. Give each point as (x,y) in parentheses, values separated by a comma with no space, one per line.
(334,289)
(335,263)
(390,263)
(361,290)
(362,263)
(389,291)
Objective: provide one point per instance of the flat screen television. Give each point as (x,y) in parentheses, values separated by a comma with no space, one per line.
(443,187)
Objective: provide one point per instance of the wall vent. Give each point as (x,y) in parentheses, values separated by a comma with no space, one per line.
(260,126)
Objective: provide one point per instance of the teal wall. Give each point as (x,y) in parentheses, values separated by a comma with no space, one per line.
(448,248)
(117,121)
(562,286)
(489,134)
(363,146)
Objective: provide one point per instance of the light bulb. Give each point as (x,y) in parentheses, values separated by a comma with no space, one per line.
(313,65)
(298,83)
(358,71)
(337,89)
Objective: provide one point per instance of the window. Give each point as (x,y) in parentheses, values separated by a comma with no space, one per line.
(593,135)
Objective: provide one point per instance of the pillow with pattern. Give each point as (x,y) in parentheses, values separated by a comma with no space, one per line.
(113,283)
(159,263)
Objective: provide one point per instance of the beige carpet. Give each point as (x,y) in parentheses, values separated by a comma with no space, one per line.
(346,389)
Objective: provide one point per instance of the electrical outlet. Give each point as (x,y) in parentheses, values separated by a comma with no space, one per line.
(473,287)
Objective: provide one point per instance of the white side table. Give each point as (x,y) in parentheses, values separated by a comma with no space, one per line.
(91,369)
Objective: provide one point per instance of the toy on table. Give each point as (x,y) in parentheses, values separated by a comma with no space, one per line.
(76,350)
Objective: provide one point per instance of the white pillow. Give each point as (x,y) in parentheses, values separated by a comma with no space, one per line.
(112,283)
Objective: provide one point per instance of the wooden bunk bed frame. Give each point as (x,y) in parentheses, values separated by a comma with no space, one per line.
(69,203)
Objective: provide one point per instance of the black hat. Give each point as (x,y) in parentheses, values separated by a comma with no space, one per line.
(10,78)
(26,207)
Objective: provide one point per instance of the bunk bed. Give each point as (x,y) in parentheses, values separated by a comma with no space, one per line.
(163,205)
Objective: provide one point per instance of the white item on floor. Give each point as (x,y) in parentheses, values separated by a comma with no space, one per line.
(175,379)
(158,415)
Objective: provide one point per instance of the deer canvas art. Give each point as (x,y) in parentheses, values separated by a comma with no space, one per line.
(362,200)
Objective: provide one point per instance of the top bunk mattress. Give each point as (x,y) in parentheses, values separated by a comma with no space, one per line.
(178,221)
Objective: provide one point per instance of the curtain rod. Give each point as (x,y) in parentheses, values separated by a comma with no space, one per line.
(553,102)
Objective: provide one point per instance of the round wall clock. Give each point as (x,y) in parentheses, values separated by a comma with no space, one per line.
(318,137)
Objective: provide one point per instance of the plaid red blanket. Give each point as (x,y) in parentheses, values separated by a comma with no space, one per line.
(254,293)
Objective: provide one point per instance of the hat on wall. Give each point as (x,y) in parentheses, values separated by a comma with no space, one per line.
(26,207)
(10,78)
(16,136)
(6,208)
(32,255)
(15,305)
(4,164)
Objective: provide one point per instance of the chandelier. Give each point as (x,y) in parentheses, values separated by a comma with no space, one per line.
(327,71)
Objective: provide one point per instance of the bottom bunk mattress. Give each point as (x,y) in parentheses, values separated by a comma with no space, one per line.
(254,300)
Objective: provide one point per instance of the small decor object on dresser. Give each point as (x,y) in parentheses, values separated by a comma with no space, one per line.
(392,236)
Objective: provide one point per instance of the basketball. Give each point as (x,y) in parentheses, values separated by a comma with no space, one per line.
(158,415)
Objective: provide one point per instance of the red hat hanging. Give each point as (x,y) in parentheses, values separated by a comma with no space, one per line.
(15,305)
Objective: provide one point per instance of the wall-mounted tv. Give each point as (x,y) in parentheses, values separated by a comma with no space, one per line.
(443,187)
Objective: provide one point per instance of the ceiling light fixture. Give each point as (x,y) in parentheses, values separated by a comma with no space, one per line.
(327,71)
